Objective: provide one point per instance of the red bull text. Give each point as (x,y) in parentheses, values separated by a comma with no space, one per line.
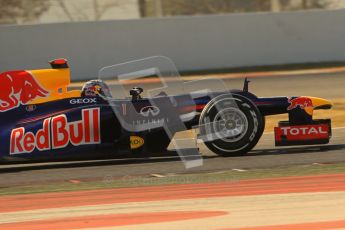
(57,133)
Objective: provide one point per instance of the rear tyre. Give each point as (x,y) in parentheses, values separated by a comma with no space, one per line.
(231,125)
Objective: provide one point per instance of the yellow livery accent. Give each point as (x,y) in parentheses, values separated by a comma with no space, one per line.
(318,103)
(136,142)
(56,82)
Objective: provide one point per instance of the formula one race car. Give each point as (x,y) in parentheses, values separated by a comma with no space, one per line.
(42,120)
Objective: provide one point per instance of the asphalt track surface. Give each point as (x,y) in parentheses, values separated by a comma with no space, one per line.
(265,155)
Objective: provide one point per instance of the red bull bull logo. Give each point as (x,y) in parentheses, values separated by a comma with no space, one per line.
(301,102)
(57,133)
(18,88)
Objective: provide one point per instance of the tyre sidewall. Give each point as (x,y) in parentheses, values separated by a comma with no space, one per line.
(253,133)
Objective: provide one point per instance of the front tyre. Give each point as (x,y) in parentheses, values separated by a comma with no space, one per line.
(231,125)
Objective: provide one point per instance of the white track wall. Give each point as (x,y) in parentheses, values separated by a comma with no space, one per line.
(193,43)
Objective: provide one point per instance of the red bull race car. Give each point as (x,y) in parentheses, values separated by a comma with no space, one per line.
(42,120)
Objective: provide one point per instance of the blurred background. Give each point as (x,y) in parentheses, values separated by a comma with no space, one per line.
(53,11)
(200,36)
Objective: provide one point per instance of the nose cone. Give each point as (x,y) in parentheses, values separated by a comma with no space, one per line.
(317,104)
(320,103)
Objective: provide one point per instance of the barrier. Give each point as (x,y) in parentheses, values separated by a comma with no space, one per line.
(193,43)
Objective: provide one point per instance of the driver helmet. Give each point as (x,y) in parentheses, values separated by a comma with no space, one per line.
(95,88)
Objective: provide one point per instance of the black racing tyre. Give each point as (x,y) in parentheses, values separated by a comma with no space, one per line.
(231,125)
